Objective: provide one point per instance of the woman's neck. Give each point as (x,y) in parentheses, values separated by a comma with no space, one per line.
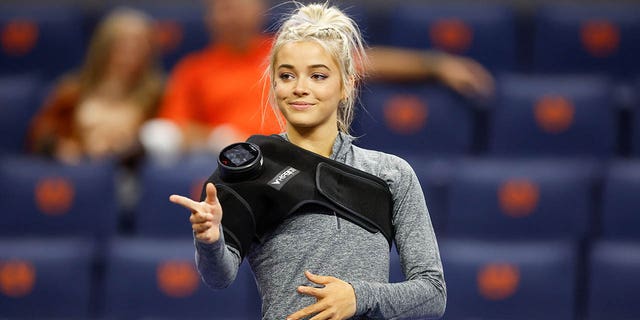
(314,140)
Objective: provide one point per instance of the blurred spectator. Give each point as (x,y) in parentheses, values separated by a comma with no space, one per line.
(216,96)
(96,112)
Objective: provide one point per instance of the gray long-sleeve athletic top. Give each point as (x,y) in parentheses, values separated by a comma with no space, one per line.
(331,246)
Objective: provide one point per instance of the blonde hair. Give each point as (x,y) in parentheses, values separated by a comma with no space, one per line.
(146,89)
(339,36)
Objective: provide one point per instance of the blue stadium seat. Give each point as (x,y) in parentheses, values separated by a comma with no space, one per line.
(155,215)
(180,29)
(509,280)
(156,278)
(43,278)
(614,279)
(553,116)
(435,178)
(485,32)
(41,198)
(46,39)
(621,204)
(579,37)
(414,120)
(20,97)
(526,199)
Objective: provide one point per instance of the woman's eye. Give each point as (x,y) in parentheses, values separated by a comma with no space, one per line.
(285,76)
(318,76)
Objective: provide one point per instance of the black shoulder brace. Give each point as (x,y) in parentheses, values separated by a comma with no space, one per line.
(290,178)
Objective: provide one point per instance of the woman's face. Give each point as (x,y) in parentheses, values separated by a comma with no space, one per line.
(131,48)
(308,85)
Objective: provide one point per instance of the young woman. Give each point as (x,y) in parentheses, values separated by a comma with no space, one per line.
(97,111)
(316,265)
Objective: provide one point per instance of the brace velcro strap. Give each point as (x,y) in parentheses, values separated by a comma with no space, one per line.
(363,201)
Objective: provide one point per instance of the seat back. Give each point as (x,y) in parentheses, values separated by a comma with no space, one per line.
(43,278)
(553,116)
(154,214)
(414,120)
(620,202)
(19,99)
(435,180)
(579,37)
(154,278)
(44,198)
(506,199)
(485,32)
(614,279)
(509,280)
(45,39)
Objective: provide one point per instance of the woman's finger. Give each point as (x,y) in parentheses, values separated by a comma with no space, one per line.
(212,194)
(201,227)
(310,291)
(185,202)
(326,314)
(198,217)
(306,311)
(318,279)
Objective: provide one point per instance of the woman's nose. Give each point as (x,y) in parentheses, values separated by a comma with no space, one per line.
(301,89)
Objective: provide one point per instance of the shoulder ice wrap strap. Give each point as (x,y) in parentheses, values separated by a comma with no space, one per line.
(292,177)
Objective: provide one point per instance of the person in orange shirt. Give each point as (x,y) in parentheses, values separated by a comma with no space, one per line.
(217,96)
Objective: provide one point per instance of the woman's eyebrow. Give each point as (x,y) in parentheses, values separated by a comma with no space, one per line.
(313,66)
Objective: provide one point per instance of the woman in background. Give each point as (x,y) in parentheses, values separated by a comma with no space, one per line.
(96,112)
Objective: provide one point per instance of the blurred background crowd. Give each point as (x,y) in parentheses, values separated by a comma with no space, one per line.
(521,120)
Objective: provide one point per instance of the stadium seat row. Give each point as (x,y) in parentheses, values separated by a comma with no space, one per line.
(512,235)
(511,245)
(482,198)
(142,278)
(531,116)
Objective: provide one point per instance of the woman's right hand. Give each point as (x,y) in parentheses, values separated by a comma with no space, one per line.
(206,215)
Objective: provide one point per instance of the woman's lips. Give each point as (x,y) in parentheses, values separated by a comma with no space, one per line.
(300,106)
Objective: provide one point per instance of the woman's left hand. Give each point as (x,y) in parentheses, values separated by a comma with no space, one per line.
(336,300)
